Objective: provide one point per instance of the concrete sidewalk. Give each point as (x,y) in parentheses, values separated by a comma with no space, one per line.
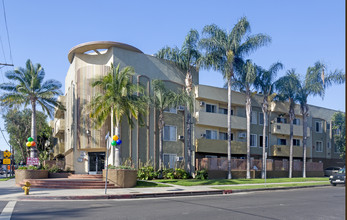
(9,191)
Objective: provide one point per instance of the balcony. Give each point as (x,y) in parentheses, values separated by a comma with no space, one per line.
(284,129)
(59,127)
(219,146)
(220,120)
(58,112)
(283,151)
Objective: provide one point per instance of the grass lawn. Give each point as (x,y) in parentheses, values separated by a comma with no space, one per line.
(271,186)
(195,182)
(5,179)
(142,184)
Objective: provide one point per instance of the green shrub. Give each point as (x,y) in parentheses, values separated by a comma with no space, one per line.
(181,174)
(45,167)
(169,173)
(201,174)
(121,167)
(22,168)
(55,169)
(146,173)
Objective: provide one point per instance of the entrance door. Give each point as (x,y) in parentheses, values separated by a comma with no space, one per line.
(96,162)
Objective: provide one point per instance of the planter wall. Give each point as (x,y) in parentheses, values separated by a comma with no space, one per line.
(121,178)
(30,174)
(58,175)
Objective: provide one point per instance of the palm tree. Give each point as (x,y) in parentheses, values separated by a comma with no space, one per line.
(243,80)
(163,99)
(119,98)
(287,87)
(187,58)
(26,87)
(225,49)
(265,83)
(314,84)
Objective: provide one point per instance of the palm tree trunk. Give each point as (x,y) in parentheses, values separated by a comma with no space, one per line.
(264,109)
(161,126)
(291,118)
(33,151)
(248,118)
(304,141)
(229,127)
(188,82)
(116,150)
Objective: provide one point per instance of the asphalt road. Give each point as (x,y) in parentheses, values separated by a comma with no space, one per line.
(310,203)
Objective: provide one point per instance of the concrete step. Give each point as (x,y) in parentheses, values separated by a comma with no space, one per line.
(85,176)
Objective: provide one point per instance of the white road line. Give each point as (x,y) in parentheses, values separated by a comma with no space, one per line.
(7,211)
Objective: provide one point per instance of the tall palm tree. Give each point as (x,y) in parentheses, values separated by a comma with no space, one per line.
(27,86)
(287,87)
(187,58)
(119,98)
(225,49)
(163,99)
(314,84)
(265,83)
(244,79)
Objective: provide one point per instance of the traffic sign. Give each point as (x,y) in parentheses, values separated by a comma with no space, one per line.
(7,153)
(6,161)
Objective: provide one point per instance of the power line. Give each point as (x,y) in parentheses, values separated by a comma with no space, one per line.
(4,138)
(8,36)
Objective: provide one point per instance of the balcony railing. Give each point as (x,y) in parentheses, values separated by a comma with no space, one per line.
(284,150)
(219,146)
(220,120)
(284,129)
(59,127)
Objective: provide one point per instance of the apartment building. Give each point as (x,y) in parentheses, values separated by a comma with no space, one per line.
(211,129)
(84,146)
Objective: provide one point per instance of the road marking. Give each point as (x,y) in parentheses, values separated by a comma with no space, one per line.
(7,211)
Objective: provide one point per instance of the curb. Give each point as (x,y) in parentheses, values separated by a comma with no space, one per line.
(160,195)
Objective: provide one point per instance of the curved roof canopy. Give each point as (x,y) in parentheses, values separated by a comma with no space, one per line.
(95,45)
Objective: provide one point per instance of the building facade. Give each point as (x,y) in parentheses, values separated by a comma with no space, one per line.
(84,146)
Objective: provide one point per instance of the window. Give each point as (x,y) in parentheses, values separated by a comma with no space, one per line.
(296,121)
(169,160)
(211,134)
(281,120)
(253,140)
(319,146)
(281,141)
(261,118)
(211,108)
(254,118)
(328,126)
(319,128)
(170,133)
(296,142)
(224,136)
(171,110)
(223,111)
(261,141)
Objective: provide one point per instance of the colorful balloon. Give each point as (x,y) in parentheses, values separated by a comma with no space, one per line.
(30,139)
(115,137)
(119,141)
(28,144)
(113,143)
(33,144)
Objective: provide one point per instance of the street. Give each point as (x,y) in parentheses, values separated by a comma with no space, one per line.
(309,203)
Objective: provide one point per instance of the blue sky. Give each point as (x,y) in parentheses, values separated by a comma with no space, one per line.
(302,32)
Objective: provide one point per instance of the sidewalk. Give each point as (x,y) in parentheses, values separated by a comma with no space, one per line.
(8,191)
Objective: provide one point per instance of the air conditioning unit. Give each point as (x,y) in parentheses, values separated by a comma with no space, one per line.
(180,137)
(202,103)
(180,108)
(242,135)
(203,135)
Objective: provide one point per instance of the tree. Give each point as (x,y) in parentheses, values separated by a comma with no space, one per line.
(287,87)
(244,79)
(265,83)
(339,128)
(224,50)
(187,58)
(18,122)
(314,84)
(119,98)
(26,87)
(163,99)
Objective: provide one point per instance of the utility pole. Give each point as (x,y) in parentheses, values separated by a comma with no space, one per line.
(6,64)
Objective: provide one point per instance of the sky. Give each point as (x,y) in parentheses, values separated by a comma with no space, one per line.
(302,33)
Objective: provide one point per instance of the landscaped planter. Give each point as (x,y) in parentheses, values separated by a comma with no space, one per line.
(121,178)
(58,175)
(30,174)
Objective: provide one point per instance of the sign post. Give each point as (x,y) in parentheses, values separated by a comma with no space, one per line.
(6,160)
(107,149)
